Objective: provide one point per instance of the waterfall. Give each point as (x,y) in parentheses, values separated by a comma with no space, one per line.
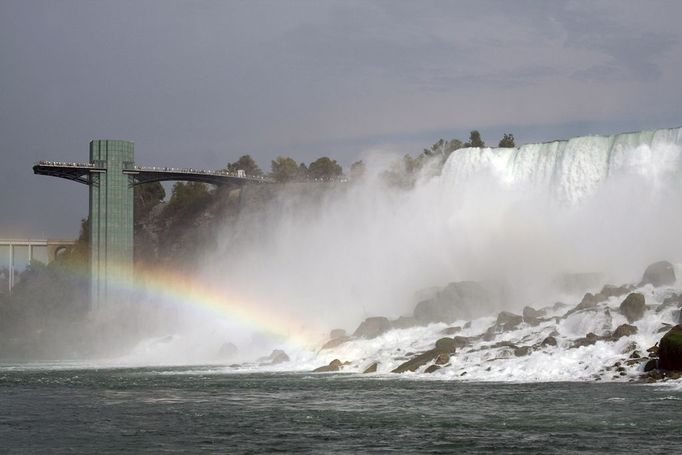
(570,171)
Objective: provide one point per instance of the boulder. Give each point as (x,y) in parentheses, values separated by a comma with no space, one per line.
(670,350)
(674,301)
(417,362)
(334,342)
(334,365)
(373,327)
(278,356)
(372,368)
(442,359)
(432,369)
(531,315)
(445,345)
(337,333)
(609,290)
(658,274)
(522,351)
(589,301)
(508,321)
(623,330)
(549,341)
(460,341)
(589,339)
(633,307)
(462,300)
(650,365)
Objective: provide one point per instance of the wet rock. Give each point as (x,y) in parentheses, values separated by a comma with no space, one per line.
(432,369)
(417,362)
(549,341)
(670,350)
(532,316)
(674,301)
(588,340)
(664,327)
(451,330)
(624,330)
(373,327)
(278,356)
(651,364)
(372,368)
(633,307)
(575,283)
(404,322)
(490,334)
(462,300)
(609,290)
(508,321)
(522,351)
(460,341)
(337,333)
(635,355)
(446,345)
(588,302)
(658,274)
(228,350)
(334,365)
(653,350)
(442,359)
(331,344)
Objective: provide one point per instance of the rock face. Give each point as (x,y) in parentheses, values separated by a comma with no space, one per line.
(624,330)
(670,350)
(372,368)
(531,315)
(633,307)
(373,327)
(334,365)
(445,345)
(462,300)
(659,274)
(508,321)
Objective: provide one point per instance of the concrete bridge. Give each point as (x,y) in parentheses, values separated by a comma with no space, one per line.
(111,174)
(17,254)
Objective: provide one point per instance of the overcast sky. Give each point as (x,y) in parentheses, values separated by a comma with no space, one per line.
(199,83)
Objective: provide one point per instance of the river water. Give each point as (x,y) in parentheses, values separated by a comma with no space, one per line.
(200,410)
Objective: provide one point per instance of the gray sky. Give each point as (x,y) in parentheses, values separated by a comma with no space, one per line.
(200,83)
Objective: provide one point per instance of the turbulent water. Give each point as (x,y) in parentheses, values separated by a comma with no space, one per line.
(202,411)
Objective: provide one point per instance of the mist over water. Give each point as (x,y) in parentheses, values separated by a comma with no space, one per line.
(516,217)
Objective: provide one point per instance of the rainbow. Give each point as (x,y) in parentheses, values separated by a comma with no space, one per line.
(186,290)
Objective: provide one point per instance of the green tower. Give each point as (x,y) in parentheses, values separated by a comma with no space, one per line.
(111,218)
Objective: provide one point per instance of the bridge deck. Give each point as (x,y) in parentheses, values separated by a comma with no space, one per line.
(81,172)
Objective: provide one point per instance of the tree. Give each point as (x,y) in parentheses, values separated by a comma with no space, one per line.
(187,200)
(146,197)
(324,169)
(284,169)
(475,140)
(507,141)
(302,173)
(246,164)
(357,170)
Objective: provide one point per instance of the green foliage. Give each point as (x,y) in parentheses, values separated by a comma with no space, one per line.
(146,197)
(303,172)
(284,169)
(324,169)
(475,140)
(507,141)
(357,169)
(187,200)
(247,164)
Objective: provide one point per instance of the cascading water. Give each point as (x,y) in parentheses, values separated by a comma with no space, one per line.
(515,217)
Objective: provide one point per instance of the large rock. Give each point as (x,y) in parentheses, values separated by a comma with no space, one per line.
(659,273)
(530,314)
(462,300)
(334,342)
(609,290)
(372,368)
(633,307)
(334,365)
(417,362)
(275,357)
(445,345)
(624,330)
(404,322)
(589,340)
(337,333)
(373,327)
(228,350)
(670,350)
(508,321)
